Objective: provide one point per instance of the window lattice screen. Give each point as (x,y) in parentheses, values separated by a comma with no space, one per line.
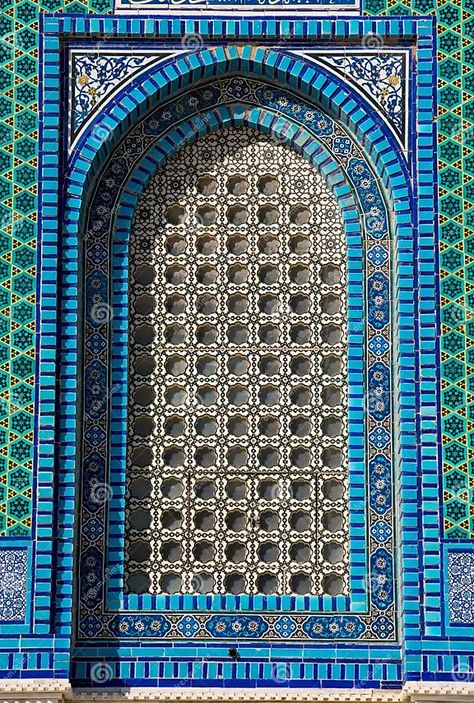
(237,469)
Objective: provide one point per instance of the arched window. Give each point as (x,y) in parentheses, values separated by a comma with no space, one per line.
(237,459)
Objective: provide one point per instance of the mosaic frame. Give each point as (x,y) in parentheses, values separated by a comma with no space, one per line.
(354,27)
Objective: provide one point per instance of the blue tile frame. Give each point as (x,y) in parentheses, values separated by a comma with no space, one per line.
(417,412)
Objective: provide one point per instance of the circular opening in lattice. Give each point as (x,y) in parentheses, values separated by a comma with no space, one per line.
(300,396)
(202,583)
(206,215)
(144,335)
(268,215)
(173,457)
(176,275)
(171,519)
(138,582)
(333,584)
(300,304)
(206,245)
(172,488)
(205,457)
(206,334)
(144,395)
(140,519)
(174,426)
(206,426)
(176,395)
(331,426)
(331,334)
(269,304)
(300,457)
(331,274)
(300,244)
(300,521)
(300,583)
(144,304)
(175,304)
(301,334)
(206,274)
(143,425)
(236,520)
(269,489)
(171,551)
(269,552)
(300,215)
(238,365)
(269,425)
(176,365)
(331,396)
(171,583)
(144,365)
(236,552)
(331,304)
(238,274)
(269,334)
(269,521)
(333,520)
(237,426)
(268,274)
(205,489)
(237,185)
(331,365)
(300,426)
(204,520)
(206,185)
(176,334)
(237,245)
(333,489)
(268,457)
(206,395)
(268,184)
(175,245)
(237,457)
(204,551)
(267,583)
(234,583)
(237,304)
(207,365)
(175,215)
(142,456)
(237,215)
(269,395)
(300,552)
(238,395)
(300,365)
(269,245)
(139,551)
(140,488)
(333,552)
(332,457)
(236,489)
(300,274)
(144,274)
(300,489)
(206,304)
(269,365)
(237,333)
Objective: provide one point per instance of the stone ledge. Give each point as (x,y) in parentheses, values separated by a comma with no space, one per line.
(59,691)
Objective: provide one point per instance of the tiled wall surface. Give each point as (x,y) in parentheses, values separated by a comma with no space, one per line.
(37,631)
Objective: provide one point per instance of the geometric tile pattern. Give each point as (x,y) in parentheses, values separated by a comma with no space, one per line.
(13,574)
(456,228)
(461,587)
(18,226)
